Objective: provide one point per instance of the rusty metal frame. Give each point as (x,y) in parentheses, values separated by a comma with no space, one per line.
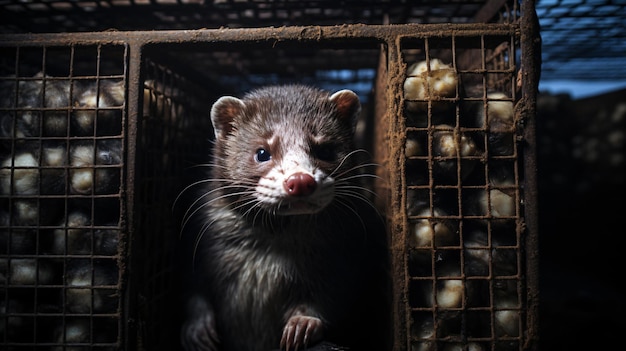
(387,36)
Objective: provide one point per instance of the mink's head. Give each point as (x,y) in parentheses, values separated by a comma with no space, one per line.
(285,147)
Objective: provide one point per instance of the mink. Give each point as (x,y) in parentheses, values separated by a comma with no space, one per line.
(281,245)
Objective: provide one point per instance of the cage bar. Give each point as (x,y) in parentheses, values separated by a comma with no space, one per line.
(455,184)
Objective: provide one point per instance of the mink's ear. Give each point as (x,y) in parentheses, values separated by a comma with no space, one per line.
(223,114)
(348,104)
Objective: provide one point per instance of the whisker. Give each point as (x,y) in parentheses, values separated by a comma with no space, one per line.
(255,205)
(193,185)
(208,181)
(341,204)
(356,190)
(189,215)
(357,176)
(344,160)
(353,169)
(203,230)
(359,196)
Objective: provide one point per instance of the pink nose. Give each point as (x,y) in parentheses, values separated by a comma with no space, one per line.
(300,184)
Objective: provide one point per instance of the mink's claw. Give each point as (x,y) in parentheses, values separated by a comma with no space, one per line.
(300,331)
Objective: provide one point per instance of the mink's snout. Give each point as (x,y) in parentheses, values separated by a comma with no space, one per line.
(300,184)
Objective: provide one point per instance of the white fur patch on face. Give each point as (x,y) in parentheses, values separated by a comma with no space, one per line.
(273,195)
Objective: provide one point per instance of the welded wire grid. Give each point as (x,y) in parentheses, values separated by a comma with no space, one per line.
(240,69)
(582,39)
(253,69)
(58,15)
(61,233)
(464,262)
(172,138)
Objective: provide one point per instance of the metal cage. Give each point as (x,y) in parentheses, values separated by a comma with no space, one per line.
(100,129)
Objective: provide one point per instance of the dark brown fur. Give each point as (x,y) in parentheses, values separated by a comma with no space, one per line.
(276,265)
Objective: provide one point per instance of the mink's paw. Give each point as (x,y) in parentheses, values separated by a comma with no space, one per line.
(301,331)
(199,334)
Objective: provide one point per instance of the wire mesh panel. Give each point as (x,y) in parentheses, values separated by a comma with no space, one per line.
(176,142)
(462,193)
(62,115)
(99,139)
(171,139)
(70,15)
(455,152)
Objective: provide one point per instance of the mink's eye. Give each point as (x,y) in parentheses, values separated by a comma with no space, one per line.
(325,152)
(262,155)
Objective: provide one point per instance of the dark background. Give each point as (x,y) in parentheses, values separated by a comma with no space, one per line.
(581,211)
